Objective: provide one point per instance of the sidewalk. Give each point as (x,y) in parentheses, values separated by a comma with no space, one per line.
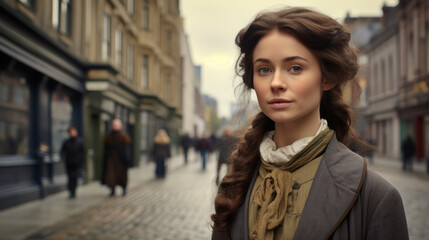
(419,167)
(26,219)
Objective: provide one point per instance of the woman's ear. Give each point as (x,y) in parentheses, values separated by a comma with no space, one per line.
(327,85)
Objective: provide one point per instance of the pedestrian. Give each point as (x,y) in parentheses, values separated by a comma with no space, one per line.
(408,151)
(73,156)
(213,139)
(292,176)
(117,158)
(185,143)
(203,145)
(161,152)
(226,144)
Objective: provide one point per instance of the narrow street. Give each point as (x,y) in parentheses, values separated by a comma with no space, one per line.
(179,206)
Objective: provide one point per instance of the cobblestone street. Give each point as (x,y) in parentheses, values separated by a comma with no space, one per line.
(414,189)
(179,207)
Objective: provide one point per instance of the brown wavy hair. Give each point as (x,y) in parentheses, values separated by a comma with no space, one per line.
(329,42)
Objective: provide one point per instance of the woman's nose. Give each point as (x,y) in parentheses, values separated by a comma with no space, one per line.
(278,82)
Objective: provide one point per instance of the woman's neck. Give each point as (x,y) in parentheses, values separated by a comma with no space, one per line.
(288,132)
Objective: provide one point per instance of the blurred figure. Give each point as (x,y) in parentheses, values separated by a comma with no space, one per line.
(213,139)
(73,155)
(203,145)
(185,143)
(408,150)
(226,145)
(161,152)
(116,159)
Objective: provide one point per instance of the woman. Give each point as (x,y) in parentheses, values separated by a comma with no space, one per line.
(161,152)
(292,177)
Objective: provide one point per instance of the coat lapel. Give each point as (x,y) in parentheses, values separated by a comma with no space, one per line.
(334,190)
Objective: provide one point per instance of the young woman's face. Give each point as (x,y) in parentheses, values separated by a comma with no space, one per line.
(287,79)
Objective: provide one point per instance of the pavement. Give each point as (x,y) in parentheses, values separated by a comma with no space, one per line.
(177,207)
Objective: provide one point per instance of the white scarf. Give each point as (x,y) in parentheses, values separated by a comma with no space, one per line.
(271,154)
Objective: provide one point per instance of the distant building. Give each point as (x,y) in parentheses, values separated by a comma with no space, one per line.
(414,73)
(382,119)
(200,126)
(398,86)
(362,30)
(188,86)
(242,115)
(212,121)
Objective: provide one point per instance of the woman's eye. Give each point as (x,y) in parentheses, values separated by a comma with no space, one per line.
(264,70)
(296,69)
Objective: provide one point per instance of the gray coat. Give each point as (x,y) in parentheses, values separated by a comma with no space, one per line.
(346,201)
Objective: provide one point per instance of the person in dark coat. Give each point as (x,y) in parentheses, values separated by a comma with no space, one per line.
(203,145)
(226,145)
(185,143)
(116,159)
(161,152)
(73,156)
(408,150)
(292,174)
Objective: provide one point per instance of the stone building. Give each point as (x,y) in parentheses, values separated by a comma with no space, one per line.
(414,73)
(382,119)
(82,62)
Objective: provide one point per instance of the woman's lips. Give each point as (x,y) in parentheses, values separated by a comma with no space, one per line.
(279,103)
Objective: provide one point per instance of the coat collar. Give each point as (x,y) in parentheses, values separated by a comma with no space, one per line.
(335,188)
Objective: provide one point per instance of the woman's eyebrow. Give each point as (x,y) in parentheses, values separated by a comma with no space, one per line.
(287,59)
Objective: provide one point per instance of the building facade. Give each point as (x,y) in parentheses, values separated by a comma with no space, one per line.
(362,29)
(414,73)
(382,119)
(42,85)
(136,72)
(83,62)
(188,87)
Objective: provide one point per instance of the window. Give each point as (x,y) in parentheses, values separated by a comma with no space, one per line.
(145,15)
(61,117)
(145,72)
(14,114)
(130,63)
(118,48)
(410,62)
(392,75)
(169,42)
(375,81)
(130,7)
(105,45)
(61,16)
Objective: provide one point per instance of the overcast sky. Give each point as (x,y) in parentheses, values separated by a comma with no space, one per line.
(211,26)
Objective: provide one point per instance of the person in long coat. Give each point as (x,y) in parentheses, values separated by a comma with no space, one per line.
(203,145)
(185,143)
(116,159)
(292,174)
(408,150)
(73,155)
(161,152)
